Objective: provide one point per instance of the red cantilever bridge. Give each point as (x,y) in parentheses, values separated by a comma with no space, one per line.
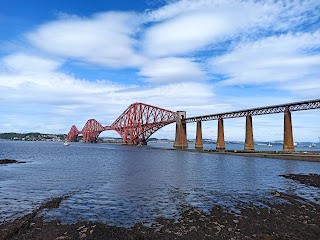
(135,125)
(139,121)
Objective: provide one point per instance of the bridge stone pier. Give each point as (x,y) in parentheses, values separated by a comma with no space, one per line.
(199,142)
(288,143)
(181,131)
(220,138)
(249,143)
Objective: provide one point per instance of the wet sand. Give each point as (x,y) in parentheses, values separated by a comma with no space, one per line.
(295,218)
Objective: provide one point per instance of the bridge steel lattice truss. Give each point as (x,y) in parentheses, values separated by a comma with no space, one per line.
(139,121)
(296,106)
(135,125)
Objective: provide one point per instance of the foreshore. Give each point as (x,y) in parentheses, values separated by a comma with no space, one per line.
(278,215)
(291,218)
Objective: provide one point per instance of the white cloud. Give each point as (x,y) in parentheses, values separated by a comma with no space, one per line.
(168,70)
(178,8)
(34,79)
(53,97)
(285,58)
(23,63)
(185,34)
(187,26)
(283,14)
(105,39)
(307,88)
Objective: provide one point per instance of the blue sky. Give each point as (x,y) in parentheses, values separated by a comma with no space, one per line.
(64,62)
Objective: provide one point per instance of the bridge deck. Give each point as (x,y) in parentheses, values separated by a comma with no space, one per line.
(296,106)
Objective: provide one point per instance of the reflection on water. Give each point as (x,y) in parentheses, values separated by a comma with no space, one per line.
(122,185)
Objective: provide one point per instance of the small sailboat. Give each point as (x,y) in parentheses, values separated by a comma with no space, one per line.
(66,143)
(269,145)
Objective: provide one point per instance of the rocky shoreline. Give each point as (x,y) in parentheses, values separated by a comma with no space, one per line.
(293,218)
(308,179)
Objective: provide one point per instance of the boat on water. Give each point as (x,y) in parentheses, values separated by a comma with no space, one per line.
(312,145)
(66,143)
(295,144)
(269,145)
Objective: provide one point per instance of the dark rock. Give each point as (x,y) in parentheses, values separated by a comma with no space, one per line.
(308,179)
(9,161)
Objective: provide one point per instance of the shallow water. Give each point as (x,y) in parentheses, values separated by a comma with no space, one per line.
(122,185)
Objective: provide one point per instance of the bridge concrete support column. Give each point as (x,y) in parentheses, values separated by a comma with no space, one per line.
(181,131)
(199,143)
(220,141)
(249,143)
(288,144)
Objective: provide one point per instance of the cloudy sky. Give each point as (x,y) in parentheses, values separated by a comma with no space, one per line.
(63,62)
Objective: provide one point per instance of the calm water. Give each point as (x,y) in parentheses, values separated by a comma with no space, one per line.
(123,185)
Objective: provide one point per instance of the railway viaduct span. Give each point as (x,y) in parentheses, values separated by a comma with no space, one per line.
(139,121)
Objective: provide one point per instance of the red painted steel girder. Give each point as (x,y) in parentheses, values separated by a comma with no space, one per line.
(136,124)
(73,134)
(139,121)
(296,106)
(91,130)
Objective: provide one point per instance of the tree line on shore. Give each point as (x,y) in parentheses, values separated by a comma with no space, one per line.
(33,136)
